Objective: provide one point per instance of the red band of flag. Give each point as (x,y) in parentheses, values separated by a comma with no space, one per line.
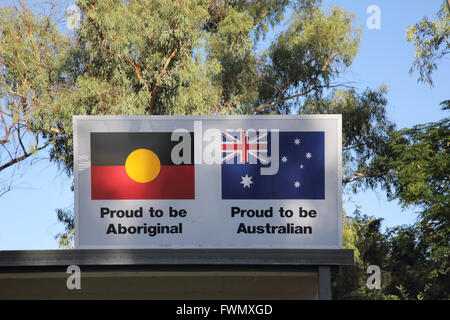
(112,182)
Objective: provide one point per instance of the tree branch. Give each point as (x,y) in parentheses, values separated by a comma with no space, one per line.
(329,60)
(265,15)
(359,176)
(155,85)
(7,130)
(137,71)
(353,177)
(268,105)
(21,158)
(232,44)
(20,140)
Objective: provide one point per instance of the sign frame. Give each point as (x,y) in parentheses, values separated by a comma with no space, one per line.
(80,163)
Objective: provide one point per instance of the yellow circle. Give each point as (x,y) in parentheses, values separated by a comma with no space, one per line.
(142,165)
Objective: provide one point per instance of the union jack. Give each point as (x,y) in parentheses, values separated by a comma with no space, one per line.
(243,146)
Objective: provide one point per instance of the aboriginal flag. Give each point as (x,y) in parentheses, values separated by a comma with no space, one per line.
(138,165)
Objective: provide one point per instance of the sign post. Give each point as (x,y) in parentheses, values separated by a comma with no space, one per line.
(268,182)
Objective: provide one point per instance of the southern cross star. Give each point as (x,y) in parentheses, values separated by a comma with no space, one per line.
(246,181)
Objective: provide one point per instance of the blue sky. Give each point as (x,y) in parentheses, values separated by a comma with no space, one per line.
(385,57)
(27,213)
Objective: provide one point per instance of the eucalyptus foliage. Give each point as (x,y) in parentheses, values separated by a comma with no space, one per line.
(181,58)
(431,39)
(408,269)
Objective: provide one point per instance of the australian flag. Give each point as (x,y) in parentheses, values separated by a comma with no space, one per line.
(301,172)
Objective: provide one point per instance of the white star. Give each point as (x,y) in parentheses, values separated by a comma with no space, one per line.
(308,155)
(246,181)
(297,141)
(297,184)
(284,159)
(301,166)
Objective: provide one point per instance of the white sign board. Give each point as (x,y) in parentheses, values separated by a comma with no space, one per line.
(208,182)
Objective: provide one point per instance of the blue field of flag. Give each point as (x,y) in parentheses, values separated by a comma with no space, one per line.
(301,173)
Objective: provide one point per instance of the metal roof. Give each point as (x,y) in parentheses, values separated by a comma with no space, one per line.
(136,257)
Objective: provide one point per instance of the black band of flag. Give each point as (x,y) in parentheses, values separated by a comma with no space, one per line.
(113,148)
